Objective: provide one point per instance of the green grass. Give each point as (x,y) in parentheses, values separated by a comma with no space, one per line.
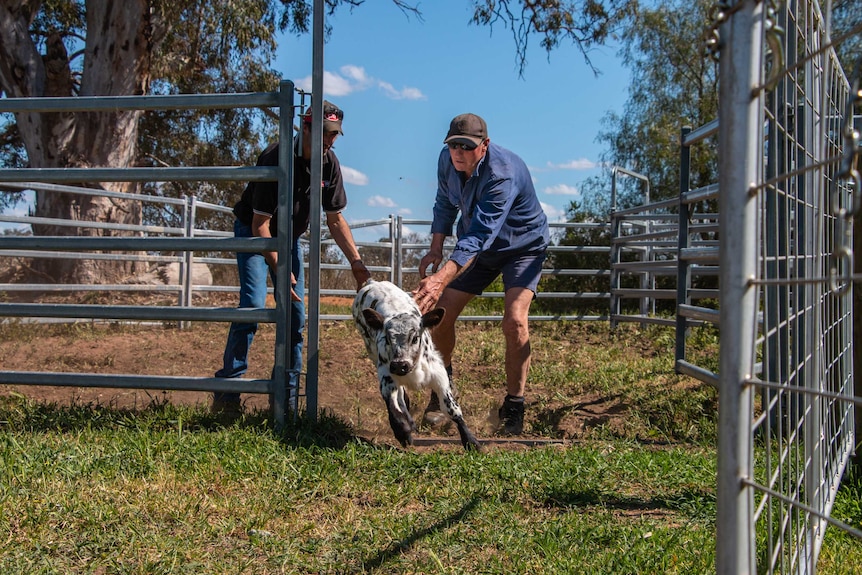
(173,490)
(176,490)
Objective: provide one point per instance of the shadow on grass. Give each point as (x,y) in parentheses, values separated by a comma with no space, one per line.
(595,412)
(692,502)
(399,547)
(21,414)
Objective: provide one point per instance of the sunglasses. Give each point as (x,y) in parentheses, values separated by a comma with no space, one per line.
(329,115)
(333,115)
(460,146)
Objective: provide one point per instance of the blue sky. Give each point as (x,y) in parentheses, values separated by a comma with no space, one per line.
(400,81)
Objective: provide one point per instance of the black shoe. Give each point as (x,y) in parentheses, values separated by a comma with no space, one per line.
(512,415)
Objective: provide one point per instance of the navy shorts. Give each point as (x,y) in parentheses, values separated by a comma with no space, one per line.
(519,270)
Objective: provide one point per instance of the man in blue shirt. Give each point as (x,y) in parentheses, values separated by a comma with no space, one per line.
(502,229)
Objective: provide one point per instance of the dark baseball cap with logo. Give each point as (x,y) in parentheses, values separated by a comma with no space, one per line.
(332,117)
(467,129)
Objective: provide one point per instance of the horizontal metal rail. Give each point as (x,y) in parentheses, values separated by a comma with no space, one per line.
(642,293)
(645,209)
(701,194)
(112,380)
(61,223)
(137,244)
(99,192)
(654,267)
(701,133)
(148,102)
(137,257)
(700,255)
(699,313)
(699,373)
(57,288)
(167,313)
(185,174)
(642,318)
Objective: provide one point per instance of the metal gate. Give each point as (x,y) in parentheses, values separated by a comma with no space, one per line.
(787,196)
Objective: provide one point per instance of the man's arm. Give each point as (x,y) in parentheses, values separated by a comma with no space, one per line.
(260,229)
(343,237)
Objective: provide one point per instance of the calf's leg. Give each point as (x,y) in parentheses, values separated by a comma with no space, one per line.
(468,440)
(400,419)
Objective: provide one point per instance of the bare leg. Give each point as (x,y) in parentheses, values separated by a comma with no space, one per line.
(517,333)
(453,301)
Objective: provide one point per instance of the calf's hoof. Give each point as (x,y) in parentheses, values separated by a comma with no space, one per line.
(472,445)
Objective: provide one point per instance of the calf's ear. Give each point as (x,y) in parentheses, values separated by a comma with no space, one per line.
(433,317)
(372,318)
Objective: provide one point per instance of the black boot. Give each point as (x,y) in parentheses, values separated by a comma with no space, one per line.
(512,415)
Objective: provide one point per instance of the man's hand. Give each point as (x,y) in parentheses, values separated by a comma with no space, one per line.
(360,273)
(433,259)
(293,294)
(429,291)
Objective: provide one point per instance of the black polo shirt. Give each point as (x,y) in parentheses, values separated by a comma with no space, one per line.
(262,197)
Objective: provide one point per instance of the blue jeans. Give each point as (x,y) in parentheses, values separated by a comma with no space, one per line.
(253,271)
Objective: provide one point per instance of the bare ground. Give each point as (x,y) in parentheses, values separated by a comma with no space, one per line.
(557,412)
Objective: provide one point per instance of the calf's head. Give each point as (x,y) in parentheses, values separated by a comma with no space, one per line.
(401,336)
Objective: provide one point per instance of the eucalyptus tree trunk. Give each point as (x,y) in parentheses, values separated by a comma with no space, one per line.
(117,52)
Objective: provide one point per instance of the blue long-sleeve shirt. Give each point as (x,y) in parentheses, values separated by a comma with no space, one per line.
(500,212)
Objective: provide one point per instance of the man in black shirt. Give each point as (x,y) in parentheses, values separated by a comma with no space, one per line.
(256,216)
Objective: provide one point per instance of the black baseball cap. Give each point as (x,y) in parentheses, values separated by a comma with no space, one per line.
(467,129)
(332,117)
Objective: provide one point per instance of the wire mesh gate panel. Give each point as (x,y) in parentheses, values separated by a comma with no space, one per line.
(786,421)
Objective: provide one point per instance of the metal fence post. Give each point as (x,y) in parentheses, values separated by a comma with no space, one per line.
(283,267)
(188,273)
(312,280)
(739,137)
(683,274)
(396,257)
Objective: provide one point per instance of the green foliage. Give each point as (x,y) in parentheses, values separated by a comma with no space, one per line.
(847,25)
(673,84)
(584,23)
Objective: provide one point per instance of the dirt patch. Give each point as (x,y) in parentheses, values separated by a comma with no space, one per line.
(348,388)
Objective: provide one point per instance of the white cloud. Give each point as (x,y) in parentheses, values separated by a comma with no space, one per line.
(403,94)
(356,73)
(553,213)
(580,164)
(562,190)
(353,176)
(350,79)
(381,202)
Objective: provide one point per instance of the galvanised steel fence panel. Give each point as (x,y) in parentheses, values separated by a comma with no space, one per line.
(283,100)
(696,254)
(788,194)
